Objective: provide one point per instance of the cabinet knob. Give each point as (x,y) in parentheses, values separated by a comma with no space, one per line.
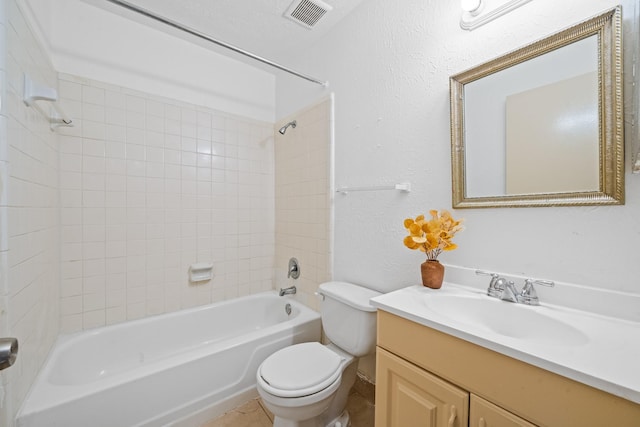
(482,423)
(452,418)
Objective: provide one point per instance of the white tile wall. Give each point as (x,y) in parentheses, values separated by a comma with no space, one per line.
(304,199)
(29,214)
(149,186)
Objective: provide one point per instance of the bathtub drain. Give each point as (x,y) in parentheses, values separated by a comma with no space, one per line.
(287,308)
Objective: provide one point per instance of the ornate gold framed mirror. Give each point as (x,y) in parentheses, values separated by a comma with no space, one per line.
(543,125)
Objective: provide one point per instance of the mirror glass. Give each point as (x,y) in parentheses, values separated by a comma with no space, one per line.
(542,126)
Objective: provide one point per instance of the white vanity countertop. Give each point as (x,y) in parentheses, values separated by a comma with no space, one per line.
(606,354)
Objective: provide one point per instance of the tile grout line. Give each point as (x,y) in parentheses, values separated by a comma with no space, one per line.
(265,410)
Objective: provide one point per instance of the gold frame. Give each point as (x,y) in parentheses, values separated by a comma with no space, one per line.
(608,28)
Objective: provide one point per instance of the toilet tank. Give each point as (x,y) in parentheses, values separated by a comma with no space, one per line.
(348,319)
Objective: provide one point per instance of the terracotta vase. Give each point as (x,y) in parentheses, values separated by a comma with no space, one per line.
(432,273)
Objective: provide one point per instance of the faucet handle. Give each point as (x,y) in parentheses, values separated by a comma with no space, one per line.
(528,295)
(294,268)
(486,273)
(548,283)
(496,286)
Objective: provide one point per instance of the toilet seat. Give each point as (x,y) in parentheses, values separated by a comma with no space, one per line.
(300,370)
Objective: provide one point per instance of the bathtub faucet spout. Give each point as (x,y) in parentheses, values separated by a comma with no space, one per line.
(288,291)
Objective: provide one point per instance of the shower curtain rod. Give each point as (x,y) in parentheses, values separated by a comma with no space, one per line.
(203,36)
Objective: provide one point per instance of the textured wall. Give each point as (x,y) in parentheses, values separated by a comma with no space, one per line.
(389,68)
(149,186)
(29,216)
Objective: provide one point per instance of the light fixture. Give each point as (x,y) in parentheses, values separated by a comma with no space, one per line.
(474,15)
(473,7)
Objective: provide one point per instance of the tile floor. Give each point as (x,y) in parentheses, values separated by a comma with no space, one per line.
(253,414)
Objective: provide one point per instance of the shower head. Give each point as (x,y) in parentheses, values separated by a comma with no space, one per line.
(283,129)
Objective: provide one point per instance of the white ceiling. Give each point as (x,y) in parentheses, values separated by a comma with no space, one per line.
(257,26)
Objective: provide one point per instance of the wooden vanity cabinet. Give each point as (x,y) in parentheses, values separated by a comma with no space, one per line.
(423,373)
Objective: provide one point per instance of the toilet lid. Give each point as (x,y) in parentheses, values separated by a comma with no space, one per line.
(300,370)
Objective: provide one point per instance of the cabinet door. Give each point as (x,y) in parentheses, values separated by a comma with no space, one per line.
(407,396)
(486,414)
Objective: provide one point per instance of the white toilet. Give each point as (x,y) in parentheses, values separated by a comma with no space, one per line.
(307,385)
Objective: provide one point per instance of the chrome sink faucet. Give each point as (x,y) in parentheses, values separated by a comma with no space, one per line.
(506,290)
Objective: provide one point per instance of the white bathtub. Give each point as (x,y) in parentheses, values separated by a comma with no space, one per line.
(177,369)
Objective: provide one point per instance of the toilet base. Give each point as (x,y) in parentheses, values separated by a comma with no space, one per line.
(337,408)
(342,421)
(281,422)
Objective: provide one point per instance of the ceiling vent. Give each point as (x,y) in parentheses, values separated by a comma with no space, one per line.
(306,12)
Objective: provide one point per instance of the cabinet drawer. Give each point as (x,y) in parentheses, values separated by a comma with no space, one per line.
(407,396)
(485,414)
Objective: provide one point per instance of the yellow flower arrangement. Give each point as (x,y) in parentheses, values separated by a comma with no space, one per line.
(434,235)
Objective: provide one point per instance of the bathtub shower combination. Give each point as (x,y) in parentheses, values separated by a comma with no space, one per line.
(178,369)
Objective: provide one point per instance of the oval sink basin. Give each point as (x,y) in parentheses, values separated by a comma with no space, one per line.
(507,319)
